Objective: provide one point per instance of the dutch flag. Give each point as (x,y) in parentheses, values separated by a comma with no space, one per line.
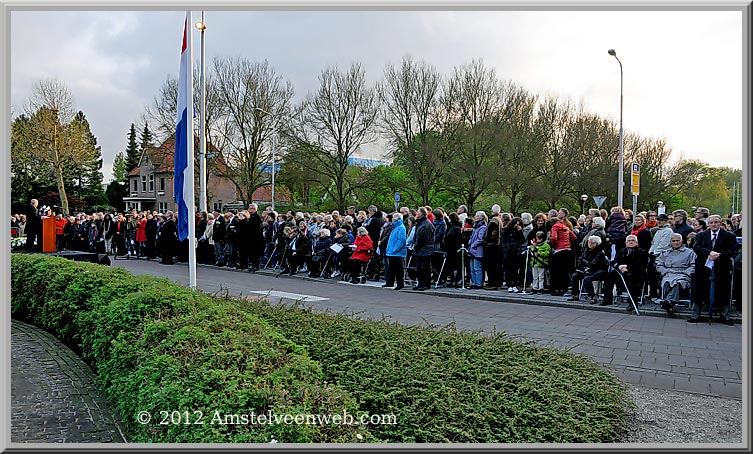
(183,179)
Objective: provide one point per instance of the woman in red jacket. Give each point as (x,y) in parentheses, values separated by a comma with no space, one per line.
(561,262)
(60,223)
(141,236)
(361,255)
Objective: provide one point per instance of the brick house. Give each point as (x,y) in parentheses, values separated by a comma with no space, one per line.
(151,183)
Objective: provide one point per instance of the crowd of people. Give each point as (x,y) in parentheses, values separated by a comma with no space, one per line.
(668,258)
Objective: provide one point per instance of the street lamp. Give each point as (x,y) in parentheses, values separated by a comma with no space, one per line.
(660,209)
(620,176)
(201,25)
(583,199)
(273,160)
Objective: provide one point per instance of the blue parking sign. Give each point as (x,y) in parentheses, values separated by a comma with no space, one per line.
(397,197)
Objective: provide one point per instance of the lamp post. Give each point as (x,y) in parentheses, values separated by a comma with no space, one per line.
(274,145)
(201,25)
(620,177)
(583,199)
(660,209)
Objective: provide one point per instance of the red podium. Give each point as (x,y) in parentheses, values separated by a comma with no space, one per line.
(47,236)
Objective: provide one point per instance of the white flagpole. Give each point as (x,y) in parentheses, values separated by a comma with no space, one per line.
(189,141)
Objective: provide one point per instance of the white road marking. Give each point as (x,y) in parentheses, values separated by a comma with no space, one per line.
(286,295)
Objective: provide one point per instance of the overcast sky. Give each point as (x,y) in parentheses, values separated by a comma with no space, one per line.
(683,71)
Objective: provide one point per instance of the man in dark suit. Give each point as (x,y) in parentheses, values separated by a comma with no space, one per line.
(631,262)
(712,284)
(168,239)
(33,228)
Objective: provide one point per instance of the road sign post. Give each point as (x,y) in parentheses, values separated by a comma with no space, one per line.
(635,184)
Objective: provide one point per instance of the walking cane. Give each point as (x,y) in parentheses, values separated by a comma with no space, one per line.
(632,301)
(462,264)
(525,273)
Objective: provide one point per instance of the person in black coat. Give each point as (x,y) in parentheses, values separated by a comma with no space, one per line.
(168,239)
(632,263)
(423,249)
(453,241)
(593,265)
(512,242)
(150,230)
(321,253)
(218,236)
(297,251)
(717,246)
(231,239)
(33,228)
(243,241)
(256,237)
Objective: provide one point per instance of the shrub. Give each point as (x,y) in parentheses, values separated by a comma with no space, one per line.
(160,347)
(449,386)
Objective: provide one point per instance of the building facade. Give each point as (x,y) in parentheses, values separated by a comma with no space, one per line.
(150,184)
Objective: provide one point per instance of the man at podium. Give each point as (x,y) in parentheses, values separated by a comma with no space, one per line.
(33,226)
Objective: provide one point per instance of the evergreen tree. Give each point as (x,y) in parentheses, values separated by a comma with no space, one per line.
(133,154)
(146,138)
(119,168)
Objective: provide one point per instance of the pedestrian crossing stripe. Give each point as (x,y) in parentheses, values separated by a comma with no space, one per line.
(286,295)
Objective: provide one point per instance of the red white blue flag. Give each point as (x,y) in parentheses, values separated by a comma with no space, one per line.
(183,178)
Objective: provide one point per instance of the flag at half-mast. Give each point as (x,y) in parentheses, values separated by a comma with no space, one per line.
(183,184)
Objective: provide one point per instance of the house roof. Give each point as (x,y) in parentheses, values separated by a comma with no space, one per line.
(163,157)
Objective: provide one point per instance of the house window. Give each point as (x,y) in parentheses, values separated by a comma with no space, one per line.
(162,183)
(162,207)
(135,185)
(151,183)
(217,206)
(143,183)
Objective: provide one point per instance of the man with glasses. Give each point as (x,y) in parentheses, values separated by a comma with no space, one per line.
(631,262)
(676,267)
(715,248)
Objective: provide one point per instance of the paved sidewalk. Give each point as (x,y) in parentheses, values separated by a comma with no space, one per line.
(55,396)
(657,352)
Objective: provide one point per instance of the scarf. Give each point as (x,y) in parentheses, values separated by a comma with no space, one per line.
(635,231)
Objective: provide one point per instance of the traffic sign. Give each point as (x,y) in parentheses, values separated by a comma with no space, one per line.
(397,197)
(599,199)
(635,179)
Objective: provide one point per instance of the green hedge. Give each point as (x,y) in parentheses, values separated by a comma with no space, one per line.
(449,386)
(442,385)
(157,346)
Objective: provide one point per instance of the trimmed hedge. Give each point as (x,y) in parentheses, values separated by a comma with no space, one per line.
(449,386)
(157,346)
(443,385)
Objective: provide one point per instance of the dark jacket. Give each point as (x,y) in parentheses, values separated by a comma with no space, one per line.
(423,240)
(321,249)
(302,245)
(231,230)
(593,260)
(726,245)
(683,229)
(218,232)
(256,237)
(374,225)
(636,260)
(440,229)
(453,240)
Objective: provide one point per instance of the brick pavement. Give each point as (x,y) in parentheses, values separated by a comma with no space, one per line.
(55,396)
(651,351)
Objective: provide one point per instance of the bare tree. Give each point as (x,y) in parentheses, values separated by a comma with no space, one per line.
(471,102)
(257,102)
(410,97)
(557,166)
(57,142)
(337,120)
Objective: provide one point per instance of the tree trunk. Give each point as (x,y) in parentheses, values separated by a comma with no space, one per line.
(61,190)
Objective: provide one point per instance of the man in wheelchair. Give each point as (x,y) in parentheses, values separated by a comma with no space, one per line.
(592,266)
(676,267)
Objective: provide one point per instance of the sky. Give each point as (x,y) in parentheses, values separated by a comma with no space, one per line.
(683,70)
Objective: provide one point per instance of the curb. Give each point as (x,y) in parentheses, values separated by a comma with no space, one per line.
(648,309)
